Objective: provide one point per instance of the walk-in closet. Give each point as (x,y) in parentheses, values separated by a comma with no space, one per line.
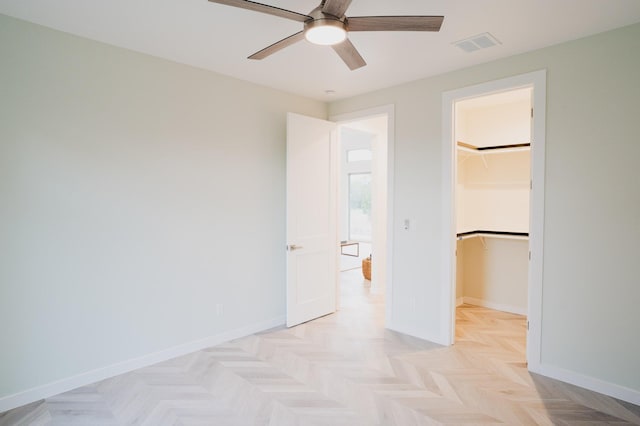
(493,175)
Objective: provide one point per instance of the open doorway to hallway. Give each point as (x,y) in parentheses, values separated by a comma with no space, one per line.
(362,204)
(356,193)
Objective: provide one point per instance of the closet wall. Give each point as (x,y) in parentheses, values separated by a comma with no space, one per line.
(493,191)
(492,194)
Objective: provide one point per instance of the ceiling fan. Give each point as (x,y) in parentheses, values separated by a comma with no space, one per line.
(328,25)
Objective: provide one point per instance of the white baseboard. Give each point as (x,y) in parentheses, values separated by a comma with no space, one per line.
(45,391)
(586,382)
(591,383)
(414,332)
(497,306)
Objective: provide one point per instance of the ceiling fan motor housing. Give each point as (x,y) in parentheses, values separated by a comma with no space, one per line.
(325,29)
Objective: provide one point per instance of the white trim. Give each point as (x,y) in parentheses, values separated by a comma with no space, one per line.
(389,111)
(537,81)
(45,391)
(590,383)
(449,231)
(536,224)
(492,305)
(415,330)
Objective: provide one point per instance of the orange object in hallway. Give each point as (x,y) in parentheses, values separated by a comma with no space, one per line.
(366,268)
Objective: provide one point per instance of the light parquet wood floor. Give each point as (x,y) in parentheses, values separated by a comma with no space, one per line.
(342,369)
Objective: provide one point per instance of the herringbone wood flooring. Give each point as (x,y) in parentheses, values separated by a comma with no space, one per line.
(342,369)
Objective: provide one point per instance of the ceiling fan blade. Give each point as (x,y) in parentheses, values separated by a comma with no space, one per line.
(349,54)
(336,8)
(279,45)
(264,8)
(395,23)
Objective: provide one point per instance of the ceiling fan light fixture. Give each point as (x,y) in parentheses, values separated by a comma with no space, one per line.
(325,32)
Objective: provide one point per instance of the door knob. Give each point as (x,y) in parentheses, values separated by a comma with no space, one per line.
(292,247)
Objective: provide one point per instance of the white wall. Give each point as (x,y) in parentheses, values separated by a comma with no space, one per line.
(493,125)
(379,271)
(494,274)
(592,206)
(460,276)
(134,193)
(493,192)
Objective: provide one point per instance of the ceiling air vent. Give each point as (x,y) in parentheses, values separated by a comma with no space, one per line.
(477,42)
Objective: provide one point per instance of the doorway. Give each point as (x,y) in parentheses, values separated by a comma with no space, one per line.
(511,223)
(492,175)
(355,198)
(313,243)
(365,188)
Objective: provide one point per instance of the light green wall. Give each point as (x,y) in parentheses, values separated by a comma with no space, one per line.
(592,212)
(135,195)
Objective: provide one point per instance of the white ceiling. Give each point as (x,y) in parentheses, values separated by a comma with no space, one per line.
(219,38)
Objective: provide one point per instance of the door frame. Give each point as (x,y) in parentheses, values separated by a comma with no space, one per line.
(537,81)
(389,112)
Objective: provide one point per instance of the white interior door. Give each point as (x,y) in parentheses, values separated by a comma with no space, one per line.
(312,234)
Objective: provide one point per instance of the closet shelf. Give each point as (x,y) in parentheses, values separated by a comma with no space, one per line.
(493,149)
(491,183)
(493,234)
